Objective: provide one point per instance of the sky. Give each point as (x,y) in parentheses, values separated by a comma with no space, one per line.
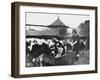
(71,20)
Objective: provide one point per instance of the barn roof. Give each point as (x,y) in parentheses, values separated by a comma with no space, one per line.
(58,23)
(49,30)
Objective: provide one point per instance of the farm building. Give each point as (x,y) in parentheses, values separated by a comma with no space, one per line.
(55,29)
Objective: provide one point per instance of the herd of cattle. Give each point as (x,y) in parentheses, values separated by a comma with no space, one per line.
(49,52)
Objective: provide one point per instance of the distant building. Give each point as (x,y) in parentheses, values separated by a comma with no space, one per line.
(83,29)
(57,28)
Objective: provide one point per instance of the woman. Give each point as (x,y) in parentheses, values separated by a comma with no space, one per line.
(75,42)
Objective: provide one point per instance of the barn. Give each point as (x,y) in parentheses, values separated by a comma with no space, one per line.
(56,29)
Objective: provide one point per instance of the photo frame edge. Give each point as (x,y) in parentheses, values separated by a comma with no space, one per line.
(15,39)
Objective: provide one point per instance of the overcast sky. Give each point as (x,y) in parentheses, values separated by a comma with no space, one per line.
(46,19)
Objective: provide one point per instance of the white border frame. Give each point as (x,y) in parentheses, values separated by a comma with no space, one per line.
(72,68)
